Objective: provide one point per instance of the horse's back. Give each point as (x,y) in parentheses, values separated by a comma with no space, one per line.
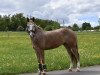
(58,37)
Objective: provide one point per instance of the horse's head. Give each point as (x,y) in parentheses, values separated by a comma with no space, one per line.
(31,27)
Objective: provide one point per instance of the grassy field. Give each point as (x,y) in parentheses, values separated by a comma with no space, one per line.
(17,55)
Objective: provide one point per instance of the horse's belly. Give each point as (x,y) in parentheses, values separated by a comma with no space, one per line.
(52,45)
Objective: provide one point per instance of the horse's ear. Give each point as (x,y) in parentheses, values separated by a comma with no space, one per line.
(27,19)
(33,19)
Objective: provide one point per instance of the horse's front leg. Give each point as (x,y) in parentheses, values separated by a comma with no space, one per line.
(41,61)
(71,66)
(78,66)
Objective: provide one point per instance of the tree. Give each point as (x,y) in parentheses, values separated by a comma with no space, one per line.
(69,27)
(18,20)
(86,26)
(6,22)
(20,28)
(97,28)
(75,27)
(1,23)
(47,24)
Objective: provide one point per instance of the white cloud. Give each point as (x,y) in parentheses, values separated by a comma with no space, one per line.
(68,10)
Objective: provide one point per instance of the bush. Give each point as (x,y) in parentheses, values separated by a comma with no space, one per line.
(20,28)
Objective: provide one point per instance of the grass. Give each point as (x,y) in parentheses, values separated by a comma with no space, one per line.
(17,55)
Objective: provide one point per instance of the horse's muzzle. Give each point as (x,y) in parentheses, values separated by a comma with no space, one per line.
(31,34)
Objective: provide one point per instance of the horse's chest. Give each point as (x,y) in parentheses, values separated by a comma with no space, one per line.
(39,43)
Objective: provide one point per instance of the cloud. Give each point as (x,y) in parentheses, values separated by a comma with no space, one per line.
(71,11)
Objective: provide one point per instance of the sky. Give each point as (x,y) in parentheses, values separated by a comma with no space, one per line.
(69,11)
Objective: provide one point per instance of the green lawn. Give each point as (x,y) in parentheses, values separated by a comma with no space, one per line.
(17,55)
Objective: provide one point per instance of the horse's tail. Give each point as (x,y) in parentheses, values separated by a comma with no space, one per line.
(76,46)
(75,54)
(74,58)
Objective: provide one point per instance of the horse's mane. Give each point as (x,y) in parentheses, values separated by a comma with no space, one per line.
(39,30)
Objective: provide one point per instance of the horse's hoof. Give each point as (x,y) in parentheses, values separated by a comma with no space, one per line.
(77,70)
(43,73)
(70,70)
(39,74)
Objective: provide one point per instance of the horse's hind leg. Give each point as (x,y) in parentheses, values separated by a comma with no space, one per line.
(71,56)
(76,54)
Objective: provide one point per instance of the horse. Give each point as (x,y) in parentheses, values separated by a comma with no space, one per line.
(45,40)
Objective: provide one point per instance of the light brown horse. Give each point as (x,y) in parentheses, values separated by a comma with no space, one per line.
(44,40)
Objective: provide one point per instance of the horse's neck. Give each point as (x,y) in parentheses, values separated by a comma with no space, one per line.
(40,33)
(39,30)
(38,39)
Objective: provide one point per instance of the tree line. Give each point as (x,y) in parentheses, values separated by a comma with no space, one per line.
(13,22)
(18,22)
(85,26)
